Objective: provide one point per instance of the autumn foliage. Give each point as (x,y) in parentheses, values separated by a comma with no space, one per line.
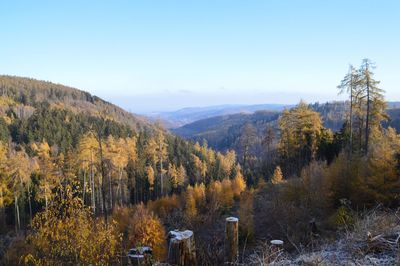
(67,232)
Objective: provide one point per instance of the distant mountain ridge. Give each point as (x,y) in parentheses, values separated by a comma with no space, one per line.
(24,93)
(188,115)
(393,105)
(223,132)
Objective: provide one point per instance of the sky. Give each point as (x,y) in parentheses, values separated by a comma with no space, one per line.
(164,55)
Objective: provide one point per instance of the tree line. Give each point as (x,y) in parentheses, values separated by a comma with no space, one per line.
(114,165)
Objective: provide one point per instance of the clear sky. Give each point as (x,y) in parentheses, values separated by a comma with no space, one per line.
(163,55)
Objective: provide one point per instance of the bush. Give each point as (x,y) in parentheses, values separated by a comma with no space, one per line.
(145,229)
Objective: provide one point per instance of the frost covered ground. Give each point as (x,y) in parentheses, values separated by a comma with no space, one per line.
(374,239)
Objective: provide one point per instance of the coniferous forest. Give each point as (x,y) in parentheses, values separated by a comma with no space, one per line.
(82,182)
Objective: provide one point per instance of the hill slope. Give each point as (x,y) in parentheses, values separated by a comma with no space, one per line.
(23,94)
(223,132)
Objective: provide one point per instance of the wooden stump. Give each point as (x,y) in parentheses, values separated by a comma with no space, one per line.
(137,260)
(139,256)
(231,240)
(276,246)
(181,248)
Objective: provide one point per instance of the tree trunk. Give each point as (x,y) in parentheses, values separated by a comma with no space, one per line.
(161,177)
(181,248)
(360,134)
(351,116)
(93,194)
(119,189)
(84,186)
(17,222)
(92,183)
(103,176)
(231,240)
(45,198)
(101,202)
(2,212)
(367,77)
(29,202)
(367,120)
(111,194)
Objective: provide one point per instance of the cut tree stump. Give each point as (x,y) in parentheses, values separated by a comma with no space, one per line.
(139,256)
(231,240)
(181,248)
(137,260)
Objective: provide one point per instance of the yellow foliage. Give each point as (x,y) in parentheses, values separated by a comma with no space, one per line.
(67,233)
(130,148)
(6,101)
(145,229)
(19,168)
(5,193)
(150,177)
(181,175)
(190,204)
(173,175)
(48,175)
(151,150)
(227,193)
(200,168)
(88,150)
(115,152)
(226,162)
(163,206)
(197,146)
(123,217)
(301,127)
(214,191)
(277,177)
(199,193)
(156,148)
(238,183)
(221,194)
(380,179)
(7,119)
(61,106)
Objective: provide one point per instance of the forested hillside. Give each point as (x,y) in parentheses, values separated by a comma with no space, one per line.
(54,138)
(224,132)
(21,95)
(221,132)
(78,188)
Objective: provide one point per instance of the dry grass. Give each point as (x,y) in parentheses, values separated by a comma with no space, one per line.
(374,239)
(267,254)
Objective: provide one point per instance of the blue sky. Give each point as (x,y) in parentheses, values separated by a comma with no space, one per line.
(165,55)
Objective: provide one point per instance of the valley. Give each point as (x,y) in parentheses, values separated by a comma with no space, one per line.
(199,133)
(113,177)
